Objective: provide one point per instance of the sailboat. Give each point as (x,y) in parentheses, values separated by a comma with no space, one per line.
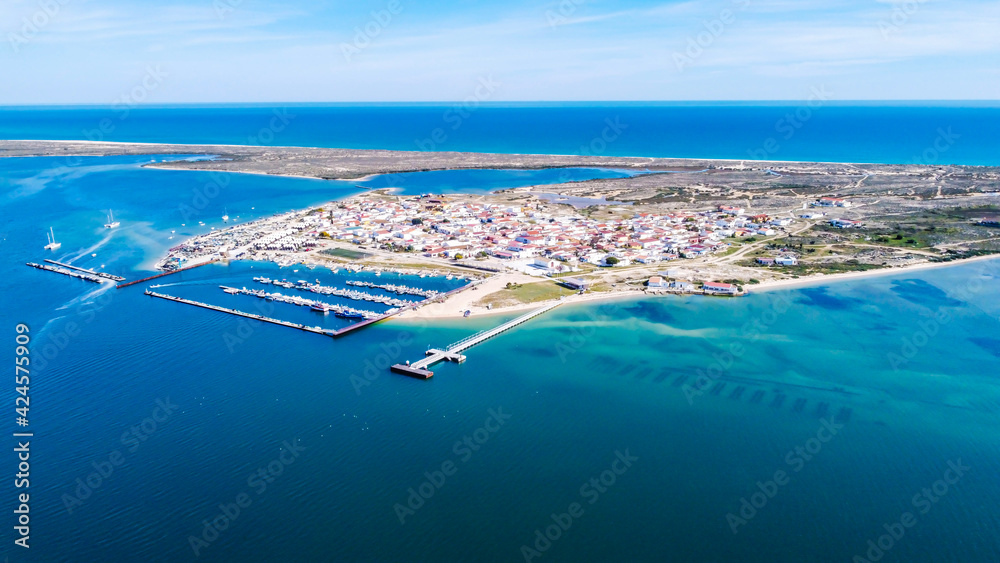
(111,221)
(52,245)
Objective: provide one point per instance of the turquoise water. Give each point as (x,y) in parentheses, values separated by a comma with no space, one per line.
(827,131)
(579,384)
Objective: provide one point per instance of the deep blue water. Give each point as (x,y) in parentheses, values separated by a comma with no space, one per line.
(817,131)
(907,363)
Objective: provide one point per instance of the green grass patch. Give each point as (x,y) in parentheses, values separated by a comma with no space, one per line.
(346,253)
(528,293)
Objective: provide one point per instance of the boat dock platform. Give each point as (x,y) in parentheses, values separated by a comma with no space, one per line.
(453,353)
(160,275)
(104,275)
(66,272)
(254,316)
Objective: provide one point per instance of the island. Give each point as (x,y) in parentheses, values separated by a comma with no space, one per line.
(676,226)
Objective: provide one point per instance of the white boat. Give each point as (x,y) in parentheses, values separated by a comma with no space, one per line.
(52,245)
(111,221)
(225,216)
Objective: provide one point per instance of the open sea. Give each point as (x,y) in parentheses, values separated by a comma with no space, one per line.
(852,421)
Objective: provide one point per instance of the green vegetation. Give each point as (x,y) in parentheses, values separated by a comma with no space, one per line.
(830,268)
(345,253)
(516,294)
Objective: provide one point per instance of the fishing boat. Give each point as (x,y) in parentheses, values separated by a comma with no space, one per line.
(111,224)
(52,245)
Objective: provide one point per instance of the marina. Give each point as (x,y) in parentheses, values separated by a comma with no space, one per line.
(303,285)
(395,288)
(453,353)
(319,306)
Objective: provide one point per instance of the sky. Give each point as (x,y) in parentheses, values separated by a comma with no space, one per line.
(198,51)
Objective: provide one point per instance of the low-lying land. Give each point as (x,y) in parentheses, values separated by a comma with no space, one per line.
(748,223)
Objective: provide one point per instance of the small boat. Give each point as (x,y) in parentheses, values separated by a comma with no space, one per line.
(52,245)
(320,308)
(111,224)
(225,216)
(94,255)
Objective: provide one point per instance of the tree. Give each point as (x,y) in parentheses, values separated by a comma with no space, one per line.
(611,260)
(417,222)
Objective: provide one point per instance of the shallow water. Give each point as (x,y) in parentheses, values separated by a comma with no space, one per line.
(907,363)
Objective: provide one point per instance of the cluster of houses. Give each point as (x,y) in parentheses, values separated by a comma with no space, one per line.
(778,261)
(685,286)
(537,241)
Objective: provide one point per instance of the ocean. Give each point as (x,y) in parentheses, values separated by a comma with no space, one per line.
(793,425)
(814,130)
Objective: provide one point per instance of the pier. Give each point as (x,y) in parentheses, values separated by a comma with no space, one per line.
(104,275)
(160,275)
(314,329)
(453,353)
(65,272)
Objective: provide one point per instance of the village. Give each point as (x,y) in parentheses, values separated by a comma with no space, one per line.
(525,238)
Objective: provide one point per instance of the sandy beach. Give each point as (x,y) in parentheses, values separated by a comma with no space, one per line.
(456,306)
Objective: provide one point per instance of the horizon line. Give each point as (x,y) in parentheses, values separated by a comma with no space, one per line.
(536,103)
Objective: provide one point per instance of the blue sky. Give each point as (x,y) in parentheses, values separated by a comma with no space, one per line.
(99,51)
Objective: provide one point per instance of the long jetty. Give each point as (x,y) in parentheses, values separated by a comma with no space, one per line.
(104,275)
(65,272)
(314,329)
(453,353)
(161,274)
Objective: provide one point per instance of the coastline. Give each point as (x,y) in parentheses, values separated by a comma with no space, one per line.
(455,309)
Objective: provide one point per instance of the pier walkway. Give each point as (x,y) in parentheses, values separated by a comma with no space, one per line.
(66,272)
(86,271)
(453,353)
(254,316)
(161,274)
